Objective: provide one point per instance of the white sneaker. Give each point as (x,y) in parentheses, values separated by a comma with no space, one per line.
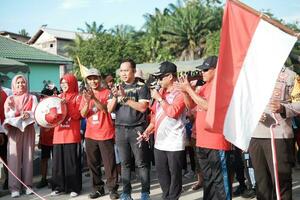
(73,194)
(55,193)
(15,194)
(28,191)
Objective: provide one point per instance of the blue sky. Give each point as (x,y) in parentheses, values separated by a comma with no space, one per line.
(72,14)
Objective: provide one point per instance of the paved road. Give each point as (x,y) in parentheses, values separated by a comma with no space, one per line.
(188,193)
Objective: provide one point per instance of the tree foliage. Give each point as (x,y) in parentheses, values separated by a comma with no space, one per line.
(181,29)
(93,28)
(105,52)
(23,32)
(186,30)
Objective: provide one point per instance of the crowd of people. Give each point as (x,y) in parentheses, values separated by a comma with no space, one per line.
(137,124)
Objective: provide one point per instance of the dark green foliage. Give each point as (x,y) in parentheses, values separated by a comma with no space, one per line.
(187,30)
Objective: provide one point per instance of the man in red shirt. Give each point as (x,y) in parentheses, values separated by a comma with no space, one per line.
(99,135)
(213,149)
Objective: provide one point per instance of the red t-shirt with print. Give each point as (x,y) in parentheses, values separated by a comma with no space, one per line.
(99,125)
(206,138)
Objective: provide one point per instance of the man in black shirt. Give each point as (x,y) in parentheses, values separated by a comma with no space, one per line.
(129,101)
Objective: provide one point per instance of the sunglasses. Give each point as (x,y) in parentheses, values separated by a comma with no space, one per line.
(205,70)
(163,76)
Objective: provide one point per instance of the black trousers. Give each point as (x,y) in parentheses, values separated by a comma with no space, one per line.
(95,151)
(169,165)
(66,168)
(261,155)
(189,150)
(127,144)
(238,165)
(3,154)
(214,165)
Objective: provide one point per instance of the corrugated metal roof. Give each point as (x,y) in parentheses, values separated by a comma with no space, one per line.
(68,35)
(60,34)
(22,52)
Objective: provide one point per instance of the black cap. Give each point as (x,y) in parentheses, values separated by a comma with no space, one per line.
(165,68)
(209,62)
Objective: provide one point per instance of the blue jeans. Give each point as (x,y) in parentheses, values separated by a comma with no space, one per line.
(127,143)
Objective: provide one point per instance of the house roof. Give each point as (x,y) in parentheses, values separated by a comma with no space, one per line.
(19,51)
(11,34)
(61,34)
(9,65)
(10,62)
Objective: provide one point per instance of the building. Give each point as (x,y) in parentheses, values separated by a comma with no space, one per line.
(15,36)
(55,41)
(39,66)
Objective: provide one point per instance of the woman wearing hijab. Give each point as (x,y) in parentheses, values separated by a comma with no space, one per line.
(66,172)
(20,107)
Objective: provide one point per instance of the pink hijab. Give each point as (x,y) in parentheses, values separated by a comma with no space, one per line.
(20,100)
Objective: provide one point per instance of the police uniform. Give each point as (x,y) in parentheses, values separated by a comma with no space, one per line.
(260,145)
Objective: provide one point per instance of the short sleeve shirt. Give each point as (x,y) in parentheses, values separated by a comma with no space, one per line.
(127,116)
(99,125)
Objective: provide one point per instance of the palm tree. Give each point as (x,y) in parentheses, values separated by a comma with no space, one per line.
(73,50)
(23,32)
(187,26)
(123,31)
(93,28)
(153,38)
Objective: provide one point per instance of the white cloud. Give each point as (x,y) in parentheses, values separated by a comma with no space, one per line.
(73,4)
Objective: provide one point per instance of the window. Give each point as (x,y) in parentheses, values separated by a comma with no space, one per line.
(51,45)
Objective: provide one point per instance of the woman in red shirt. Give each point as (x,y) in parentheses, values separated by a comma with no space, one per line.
(66,171)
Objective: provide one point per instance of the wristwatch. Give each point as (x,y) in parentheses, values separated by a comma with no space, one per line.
(124,99)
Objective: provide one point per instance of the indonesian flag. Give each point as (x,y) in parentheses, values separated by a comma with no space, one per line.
(252,53)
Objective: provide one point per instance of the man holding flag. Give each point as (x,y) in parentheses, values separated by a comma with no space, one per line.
(253,49)
(277,118)
(213,149)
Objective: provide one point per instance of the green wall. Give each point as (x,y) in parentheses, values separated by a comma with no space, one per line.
(40,72)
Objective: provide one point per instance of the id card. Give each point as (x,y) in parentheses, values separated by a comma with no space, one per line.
(95,117)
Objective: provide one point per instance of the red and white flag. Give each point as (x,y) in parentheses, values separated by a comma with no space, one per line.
(252,53)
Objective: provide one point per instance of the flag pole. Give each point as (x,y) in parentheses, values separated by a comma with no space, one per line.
(274,157)
(266,18)
(82,68)
(293,33)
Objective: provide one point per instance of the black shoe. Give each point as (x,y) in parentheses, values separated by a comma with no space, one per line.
(42,183)
(5,185)
(249,194)
(239,190)
(114,195)
(96,194)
